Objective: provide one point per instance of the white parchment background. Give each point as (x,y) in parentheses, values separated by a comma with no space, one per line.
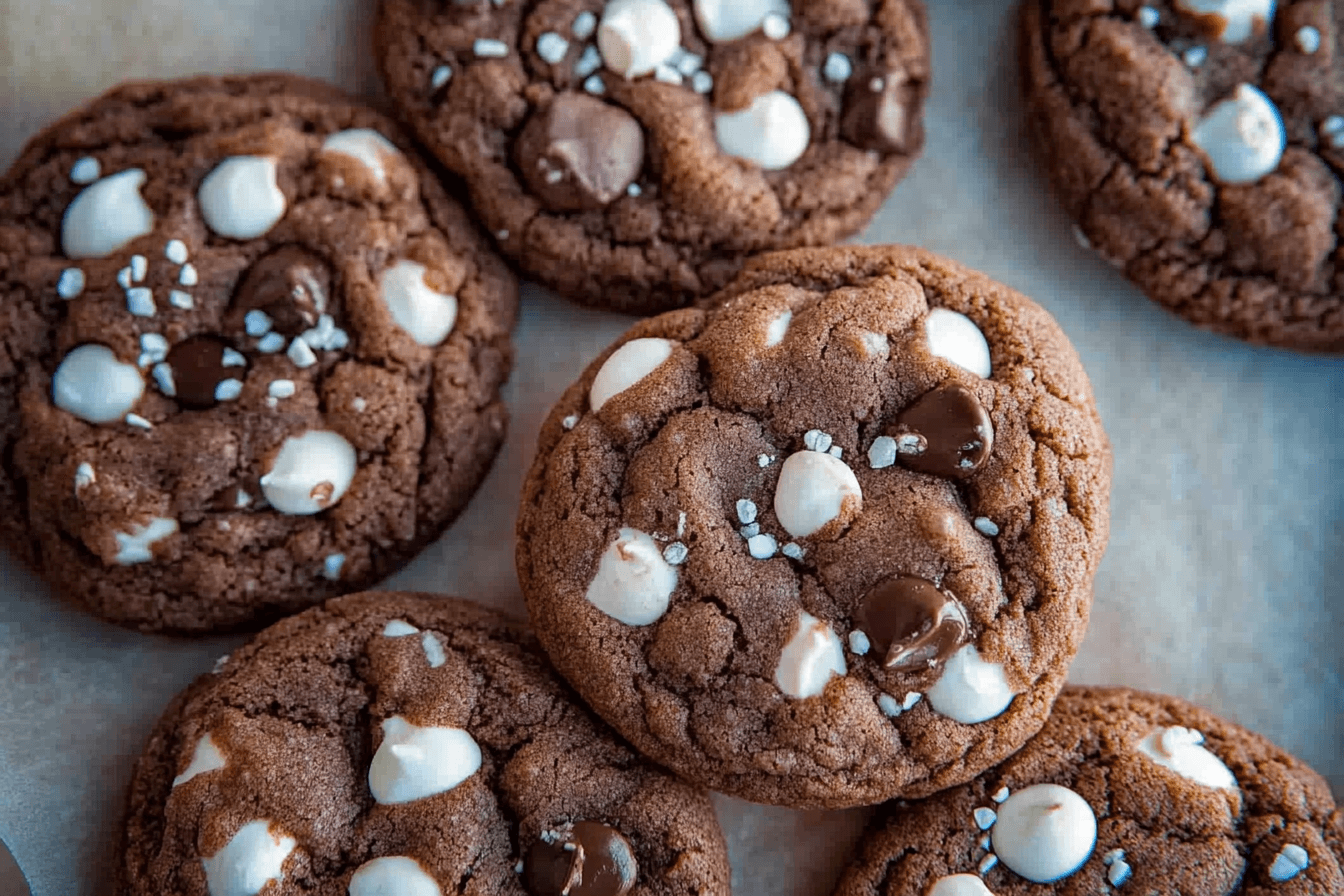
(1223,578)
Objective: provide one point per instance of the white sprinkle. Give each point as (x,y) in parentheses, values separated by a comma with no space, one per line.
(1308,39)
(139,267)
(910,700)
(552,47)
(1149,17)
(137,420)
(179,299)
(301,354)
(589,61)
(429,643)
(792,551)
(764,460)
(440,76)
(775,26)
(838,68)
(124,278)
(910,443)
(594,85)
(888,705)
(489,48)
(746,511)
(359,404)
(667,74)
(163,375)
(518,868)
(86,170)
(634,190)
(985,817)
(689,63)
(223,526)
(242,499)
(228,390)
(71,283)
(762,547)
(1114,855)
(835,451)
(271,343)
(1195,56)
(1002,794)
(1291,861)
(876,85)
(675,553)
(501,235)
(750,531)
(233,359)
(272,401)
(570,422)
(549,836)
(1333,130)
(985,841)
(176,252)
(257,322)
(188,275)
(1081,238)
(1118,873)
(883,453)
(702,82)
(585,23)
(985,526)
(858,643)
(331,566)
(816,440)
(220,664)
(554,176)
(681,523)
(987,863)
(84,476)
(280,388)
(140,301)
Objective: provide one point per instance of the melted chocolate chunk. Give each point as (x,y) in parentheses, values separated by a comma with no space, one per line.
(580,153)
(290,285)
(588,859)
(198,369)
(956,429)
(885,119)
(913,623)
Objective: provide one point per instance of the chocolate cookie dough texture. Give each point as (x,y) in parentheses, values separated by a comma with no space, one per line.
(253,351)
(410,745)
(1121,792)
(1199,146)
(831,542)
(630,154)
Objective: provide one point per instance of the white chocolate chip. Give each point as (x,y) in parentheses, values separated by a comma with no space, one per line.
(440,76)
(727,20)
(398,628)
(984,817)
(94,386)
(85,170)
(489,48)
(1291,861)
(1240,18)
(1045,832)
(955,337)
(959,885)
(413,762)
(637,36)
(634,582)
(366,146)
(762,546)
(859,645)
(176,252)
(426,315)
(332,565)
(970,690)
(628,365)
(1243,137)
(585,23)
(240,198)
(188,277)
(551,47)
(813,490)
(811,657)
(392,876)
(772,132)
(70,284)
(1149,17)
(1308,39)
(84,476)
(1181,750)
(204,758)
(106,215)
(249,861)
(882,454)
(837,68)
(310,473)
(774,333)
(134,547)
(301,354)
(434,655)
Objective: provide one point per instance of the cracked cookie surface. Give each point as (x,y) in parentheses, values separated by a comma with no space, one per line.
(401,743)
(630,154)
(1199,147)
(250,351)
(1178,800)
(830,543)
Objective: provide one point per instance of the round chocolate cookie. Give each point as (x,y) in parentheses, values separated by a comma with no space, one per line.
(1199,146)
(831,542)
(629,154)
(1121,792)
(251,351)
(407,744)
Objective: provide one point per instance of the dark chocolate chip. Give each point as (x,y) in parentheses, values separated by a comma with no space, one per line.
(912,623)
(198,369)
(587,859)
(885,119)
(580,152)
(957,433)
(290,285)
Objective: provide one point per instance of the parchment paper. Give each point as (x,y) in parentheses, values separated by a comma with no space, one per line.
(1222,582)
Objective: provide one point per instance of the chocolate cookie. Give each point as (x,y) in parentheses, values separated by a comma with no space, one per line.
(1121,792)
(1199,147)
(830,543)
(251,351)
(408,744)
(629,154)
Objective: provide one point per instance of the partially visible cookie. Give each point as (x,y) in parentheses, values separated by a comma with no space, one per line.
(1199,146)
(830,542)
(1121,792)
(408,744)
(629,154)
(250,351)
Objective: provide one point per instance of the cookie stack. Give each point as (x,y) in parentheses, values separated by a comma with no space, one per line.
(822,533)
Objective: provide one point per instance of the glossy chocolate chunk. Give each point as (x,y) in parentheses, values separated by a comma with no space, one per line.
(588,859)
(198,369)
(956,430)
(883,113)
(290,285)
(580,153)
(912,624)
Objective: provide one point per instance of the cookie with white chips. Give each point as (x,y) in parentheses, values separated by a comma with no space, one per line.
(1122,792)
(252,351)
(404,744)
(1199,147)
(629,154)
(830,542)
